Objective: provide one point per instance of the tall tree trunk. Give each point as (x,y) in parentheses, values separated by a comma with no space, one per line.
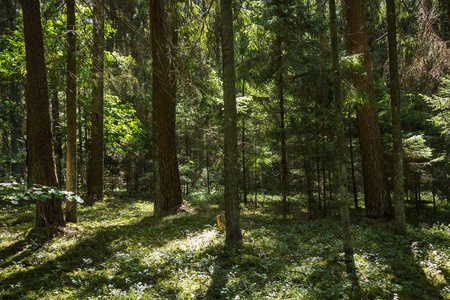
(352,163)
(280,90)
(340,136)
(167,188)
(49,212)
(71,95)
(95,180)
(233,237)
(319,190)
(397,152)
(56,129)
(244,169)
(376,189)
(15,129)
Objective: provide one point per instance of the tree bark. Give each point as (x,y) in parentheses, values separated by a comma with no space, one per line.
(167,188)
(95,180)
(397,152)
(352,163)
(244,167)
(233,237)
(15,129)
(40,139)
(71,95)
(56,129)
(340,136)
(376,189)
(280,90)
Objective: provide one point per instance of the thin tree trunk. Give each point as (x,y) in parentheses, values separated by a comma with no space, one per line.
(376,189)
(280,87)
(233,237)
(352,163)
(324,173)
(40,139)
(56,129)
(207,172)
(244,171)
(319,191)
(15,129)
(71,95)
(95,180)
(308,178)
(340,136)
(397,152)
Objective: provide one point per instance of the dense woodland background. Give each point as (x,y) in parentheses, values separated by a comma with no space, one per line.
(160,115)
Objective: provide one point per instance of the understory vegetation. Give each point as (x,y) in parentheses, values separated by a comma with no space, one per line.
(118,250)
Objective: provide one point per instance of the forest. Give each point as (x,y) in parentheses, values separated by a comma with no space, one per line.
(230,149)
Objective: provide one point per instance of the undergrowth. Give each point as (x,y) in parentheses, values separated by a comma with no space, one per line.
(117,250)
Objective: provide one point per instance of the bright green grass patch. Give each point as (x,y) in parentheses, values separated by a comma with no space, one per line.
(118,251)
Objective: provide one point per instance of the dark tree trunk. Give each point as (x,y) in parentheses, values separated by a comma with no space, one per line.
(352,163)
(280,90)
(244,169)
(40,139)
(71,95)
(376,189)
(56,127)
(232,215)
(319,190)
(15,128)
(95,180)
(397,152)
(340,136)
(167,188)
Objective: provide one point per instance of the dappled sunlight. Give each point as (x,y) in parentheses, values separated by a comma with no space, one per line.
(125,253)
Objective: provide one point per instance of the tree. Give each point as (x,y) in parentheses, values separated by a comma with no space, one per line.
(340,136)
(376,189)
(40,140)
(232,215)
(71,94)
(95,180)
(397,152)
(167,188)
(280,90)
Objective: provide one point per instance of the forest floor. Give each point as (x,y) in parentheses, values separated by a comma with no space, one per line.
(117,250)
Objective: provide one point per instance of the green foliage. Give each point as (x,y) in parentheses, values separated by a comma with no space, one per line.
(416,148)
(15,192)
(440,104)
(12,57)
(121,126)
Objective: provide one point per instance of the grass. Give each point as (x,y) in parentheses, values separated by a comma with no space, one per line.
(118,251)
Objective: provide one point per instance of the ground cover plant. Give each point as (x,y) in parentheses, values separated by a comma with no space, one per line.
(118,250)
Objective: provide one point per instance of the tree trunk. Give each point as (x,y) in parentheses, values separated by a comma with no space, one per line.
(352,163)
(340,136)
(376,189)
(397,152)
(244,169)
(56,129)
(167,188)
(15,129)
(95,180)
(40,139)
(233,227)
(280,89)
(71,95)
